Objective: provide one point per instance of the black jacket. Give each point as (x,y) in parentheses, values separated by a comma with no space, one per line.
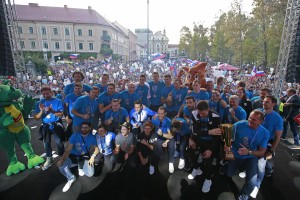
(290,111)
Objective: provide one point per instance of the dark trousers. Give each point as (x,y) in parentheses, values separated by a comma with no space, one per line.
(203,145)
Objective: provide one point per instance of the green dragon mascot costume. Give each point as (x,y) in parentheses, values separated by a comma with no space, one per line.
(13,128)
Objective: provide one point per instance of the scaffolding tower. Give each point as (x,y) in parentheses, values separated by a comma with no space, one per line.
(14,37)
(287,57)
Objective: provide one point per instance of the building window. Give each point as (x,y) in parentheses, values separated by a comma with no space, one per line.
(68,45)
(55,31)
(67,31)
(20,30)
(80,46)
(44,31)
(32,44)
(22,44)
(79,32)
(45,44)
(91,46)
(90,32)
(30,29)
(56,45)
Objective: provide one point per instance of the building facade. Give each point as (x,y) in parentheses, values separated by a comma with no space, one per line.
(64,29)
(158,43)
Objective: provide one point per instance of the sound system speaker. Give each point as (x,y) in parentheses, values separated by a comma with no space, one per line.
(6,58)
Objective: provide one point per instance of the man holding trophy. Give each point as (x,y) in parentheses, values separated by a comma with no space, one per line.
(250,141)
(205,137)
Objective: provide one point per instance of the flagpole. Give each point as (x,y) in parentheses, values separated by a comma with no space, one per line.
(147,31)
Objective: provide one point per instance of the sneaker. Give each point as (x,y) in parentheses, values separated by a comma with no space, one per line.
(242,174)
(68,184)
(171,168)
(195,172)
(151,170)
(295,146)
(200,159)
(254,192)
(80,172)
(214,162)
(181,163)
(296,155)
(206,186)
(176,154)
(48,163)
(283,139)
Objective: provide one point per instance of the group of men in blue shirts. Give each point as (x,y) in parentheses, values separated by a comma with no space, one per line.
(160,115)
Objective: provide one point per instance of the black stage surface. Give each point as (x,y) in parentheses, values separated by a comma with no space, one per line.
(42,185)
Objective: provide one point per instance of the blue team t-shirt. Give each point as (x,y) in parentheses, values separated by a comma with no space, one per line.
(101,88)
(127,100)
(84,105)
(106,99)
(142,91)
(155,91)
(82,144)
(164,125)
(48,117)
(164,94)
(202,95)
(249,138)
(178,97)
(70,100)
(69,89)
(117,117)
(273,122)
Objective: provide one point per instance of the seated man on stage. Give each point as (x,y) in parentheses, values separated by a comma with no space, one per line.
(148,148)
(106,145)
(78,152)
(250,143)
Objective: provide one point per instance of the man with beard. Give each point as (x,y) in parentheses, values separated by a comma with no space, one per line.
(50,109)
(78,152)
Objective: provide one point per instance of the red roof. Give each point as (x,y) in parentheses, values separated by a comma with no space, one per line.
(34,12)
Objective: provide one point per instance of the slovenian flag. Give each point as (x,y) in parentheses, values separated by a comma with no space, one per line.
(195,62)
(73,56)
(157,56)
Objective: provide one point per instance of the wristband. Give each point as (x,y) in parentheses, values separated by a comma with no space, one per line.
(250,153)
(93,155)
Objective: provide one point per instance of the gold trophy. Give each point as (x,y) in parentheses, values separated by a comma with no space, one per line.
(226,136)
